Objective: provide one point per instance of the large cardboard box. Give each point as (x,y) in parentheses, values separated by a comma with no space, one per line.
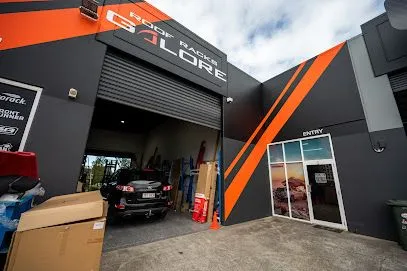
(63,233)
(207,172)
(205,186)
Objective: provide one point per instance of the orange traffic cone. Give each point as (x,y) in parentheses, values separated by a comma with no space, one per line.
(215,224)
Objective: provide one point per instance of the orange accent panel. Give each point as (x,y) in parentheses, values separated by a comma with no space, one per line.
(241,179)
(249,141)
(34,27)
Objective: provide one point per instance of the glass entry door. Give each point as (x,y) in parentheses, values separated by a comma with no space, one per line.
(324,193)
(304,181)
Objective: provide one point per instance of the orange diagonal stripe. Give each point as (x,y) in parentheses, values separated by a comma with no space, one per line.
(241,179)
(34,27)
(249,141)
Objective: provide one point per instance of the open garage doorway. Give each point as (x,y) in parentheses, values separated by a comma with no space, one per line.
(161,152)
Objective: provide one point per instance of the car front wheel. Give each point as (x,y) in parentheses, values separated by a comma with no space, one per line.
(163,215)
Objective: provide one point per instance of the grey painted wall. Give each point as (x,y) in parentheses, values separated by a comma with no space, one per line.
(180,139)
(369,179)
(334,99)
(377,97)
(240,120)
(60,128)
(255,200)
(243,115)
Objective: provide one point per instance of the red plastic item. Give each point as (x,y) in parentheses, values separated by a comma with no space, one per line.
(200,209)
(18,163)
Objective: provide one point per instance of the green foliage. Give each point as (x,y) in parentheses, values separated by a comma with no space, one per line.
(100,161)
(123,162)
(97,172)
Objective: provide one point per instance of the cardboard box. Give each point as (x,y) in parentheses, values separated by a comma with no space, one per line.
(205,177)
(205,187)
(63,233)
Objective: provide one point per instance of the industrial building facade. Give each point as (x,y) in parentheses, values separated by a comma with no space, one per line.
(323,142)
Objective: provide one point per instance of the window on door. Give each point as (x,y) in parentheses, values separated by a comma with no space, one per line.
(316,148)
(288,180)
(325,204)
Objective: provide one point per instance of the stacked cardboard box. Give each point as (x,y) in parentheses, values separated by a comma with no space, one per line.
(63,233)
(205,192)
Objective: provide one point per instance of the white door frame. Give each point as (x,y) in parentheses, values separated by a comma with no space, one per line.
(331,161)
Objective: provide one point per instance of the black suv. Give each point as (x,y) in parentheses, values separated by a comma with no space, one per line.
(137,192)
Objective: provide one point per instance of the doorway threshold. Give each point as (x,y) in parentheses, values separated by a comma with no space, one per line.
(328,228)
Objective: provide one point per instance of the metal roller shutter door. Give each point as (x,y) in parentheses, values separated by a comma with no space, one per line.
(127,82)
(398,81)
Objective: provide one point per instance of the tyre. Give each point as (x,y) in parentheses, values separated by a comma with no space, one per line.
(163,215)
(112,217)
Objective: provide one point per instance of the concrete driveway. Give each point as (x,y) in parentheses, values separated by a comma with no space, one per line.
(138,230)
(265,244)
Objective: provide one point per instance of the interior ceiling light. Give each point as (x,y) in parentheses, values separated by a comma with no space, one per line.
(122,121)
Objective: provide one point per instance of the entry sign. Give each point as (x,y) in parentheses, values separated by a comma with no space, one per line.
(320,178)
(16,106)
